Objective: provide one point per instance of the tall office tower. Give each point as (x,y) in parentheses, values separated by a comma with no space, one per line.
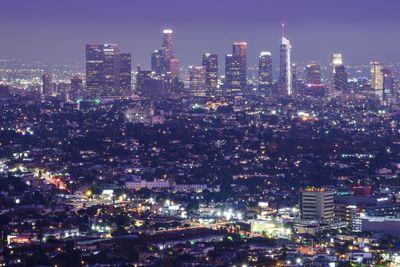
(111,70)
(174,67)
(197,80)
(168,43)
(158,61)
(125,74)
(316,204)
(313,75)
(340,78)
(232,75)
(170,61)
(76,88)
(210,64)
(240,49)
(47,85)
(103,69)
(285,70)
(388,83)
(298,84)
(265,72)
(377,79)
(94,69)
(335,61)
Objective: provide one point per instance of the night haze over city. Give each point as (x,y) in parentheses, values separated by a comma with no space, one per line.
(56,30)
(200,133)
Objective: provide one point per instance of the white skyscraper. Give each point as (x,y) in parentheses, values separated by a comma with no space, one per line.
(336,60)
(285,76)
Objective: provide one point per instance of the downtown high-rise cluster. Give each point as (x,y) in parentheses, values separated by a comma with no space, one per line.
(109,74)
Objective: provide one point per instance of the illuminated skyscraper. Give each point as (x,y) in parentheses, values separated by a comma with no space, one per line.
(168,43)
(314,86)
(313,75)
(166,67)
(158,61)
(335,61)
(197,81)
(265,72)
(125,75)
(168,61)
(111,70)
(47,85)
(103,69)
(232,75)
(210,64)
(285,71)
(94,69)
(377,79)
(298,84)
(174,67)
(340,78)
(240,49)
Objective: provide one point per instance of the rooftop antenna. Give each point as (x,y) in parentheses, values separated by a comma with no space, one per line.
(283,29)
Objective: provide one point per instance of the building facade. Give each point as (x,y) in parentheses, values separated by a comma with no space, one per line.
(197,82)
(240,49)
(340,78)
(317,204)
(285,70)
(377,79)
(232,75)
(210,64)
(47,85)
(265,72)
(125,74)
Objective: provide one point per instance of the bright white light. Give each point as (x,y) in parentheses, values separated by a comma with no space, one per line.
(265,53)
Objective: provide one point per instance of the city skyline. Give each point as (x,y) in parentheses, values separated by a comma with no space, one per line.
(200,133)
(316,30)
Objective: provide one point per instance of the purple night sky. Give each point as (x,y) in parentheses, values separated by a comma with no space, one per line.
(363,30)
